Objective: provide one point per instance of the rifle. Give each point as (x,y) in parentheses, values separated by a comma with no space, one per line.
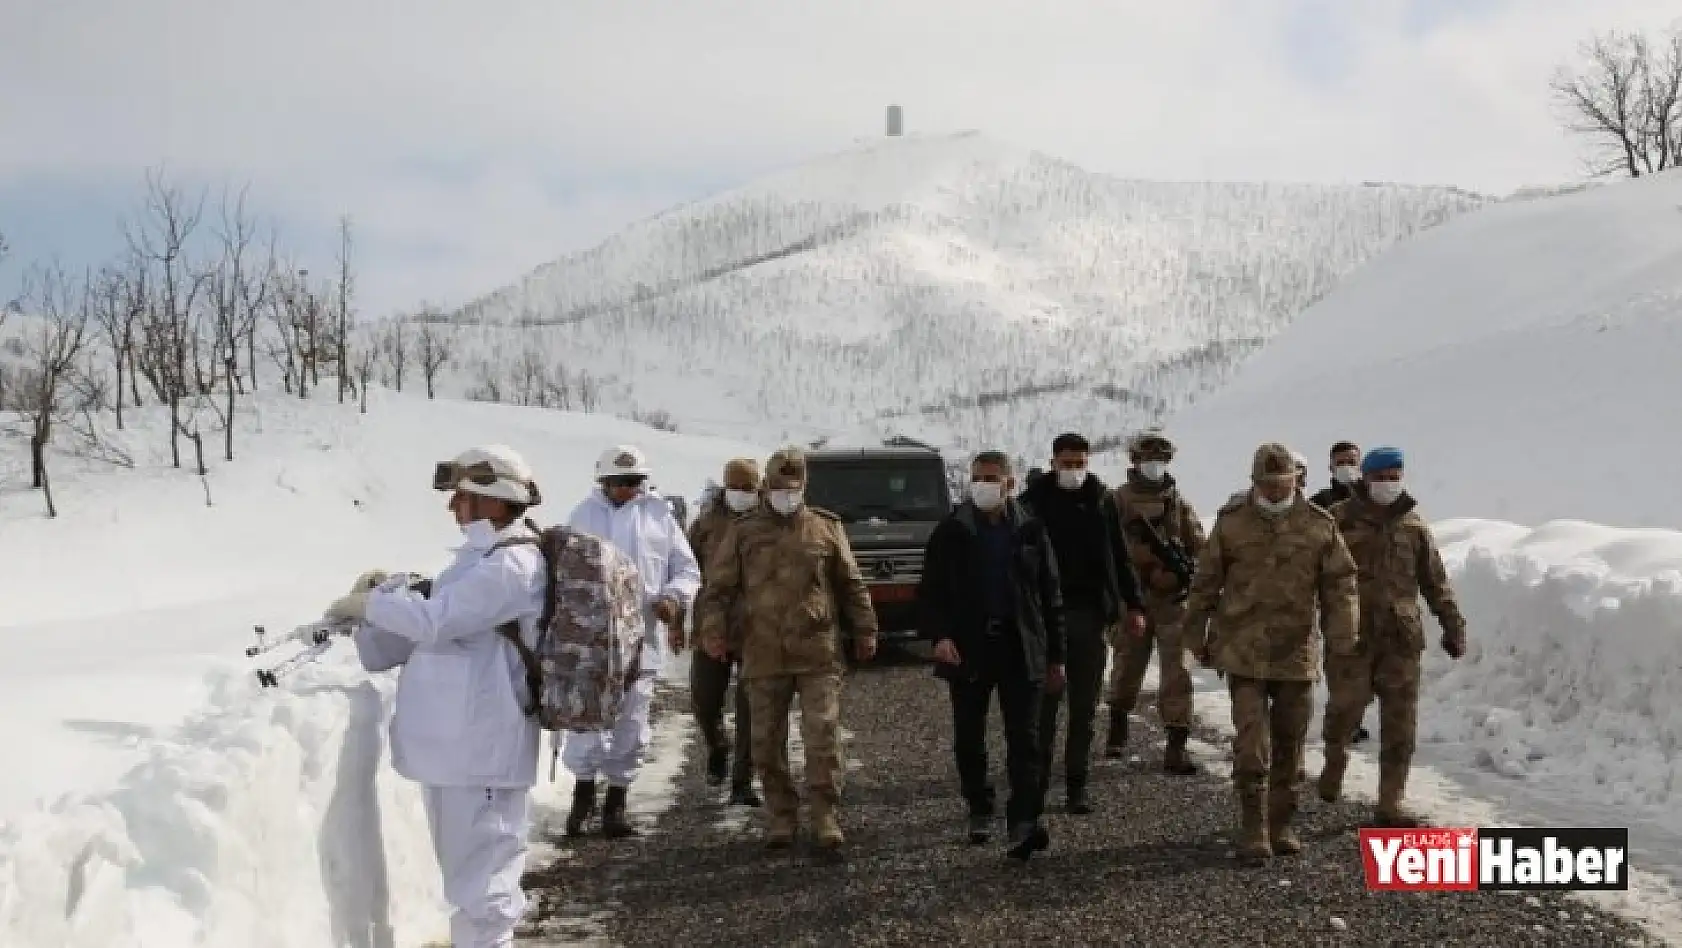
(1169,553)
(316,637)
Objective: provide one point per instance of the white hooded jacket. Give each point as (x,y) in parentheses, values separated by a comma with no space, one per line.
(460,719)
(645,530)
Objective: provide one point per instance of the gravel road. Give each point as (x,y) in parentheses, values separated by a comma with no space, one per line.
(1152,865)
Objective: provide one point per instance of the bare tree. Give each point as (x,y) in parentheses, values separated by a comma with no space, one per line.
(589,392)
(120,301)
(344,307)
(367,358)
(396,347)
(433,351)
(161,240)
(238,291)
(61,312)
(1625,99)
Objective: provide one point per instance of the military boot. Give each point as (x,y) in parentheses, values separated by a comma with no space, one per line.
(1389,812)
(1253,847)
(718,765)
(583,807)
(780,826)
(1175,760)
(1116,745)
(1331,776)
(1281,806)
(826,825)
(614,823)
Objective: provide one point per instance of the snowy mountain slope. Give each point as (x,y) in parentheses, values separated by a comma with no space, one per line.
(950,284)
(1518,354)
(158,796)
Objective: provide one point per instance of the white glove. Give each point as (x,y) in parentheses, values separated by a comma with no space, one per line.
(369,580)
(351,606)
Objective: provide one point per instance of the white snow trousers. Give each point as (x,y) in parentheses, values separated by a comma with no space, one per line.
(617,753)
(480,837)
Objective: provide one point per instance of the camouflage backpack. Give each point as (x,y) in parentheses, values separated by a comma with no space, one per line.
(590,638)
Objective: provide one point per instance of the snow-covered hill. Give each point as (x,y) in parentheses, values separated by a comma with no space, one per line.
(154,794)
(1526,357)
(949,287)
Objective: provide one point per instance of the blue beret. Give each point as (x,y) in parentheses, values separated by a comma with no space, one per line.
(1381,459)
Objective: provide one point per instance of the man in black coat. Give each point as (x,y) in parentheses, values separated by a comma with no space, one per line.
(1100,589)
(989,600)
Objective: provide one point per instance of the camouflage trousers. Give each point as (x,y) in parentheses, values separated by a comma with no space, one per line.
(1133,656)
(769,700)
(1353,681)
(1270,719)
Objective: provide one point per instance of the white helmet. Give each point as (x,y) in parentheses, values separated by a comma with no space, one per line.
(492,470)
(622,460)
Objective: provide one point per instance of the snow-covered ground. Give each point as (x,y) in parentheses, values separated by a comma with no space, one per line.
(157,796)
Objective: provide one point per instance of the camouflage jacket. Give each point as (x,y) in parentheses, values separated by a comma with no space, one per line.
(705,534)
(1262,583)
(1166,509)
(797,585)
(1398,561)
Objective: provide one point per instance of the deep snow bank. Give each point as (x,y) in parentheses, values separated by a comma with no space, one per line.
(187,806)
(1574,677)
(270,819)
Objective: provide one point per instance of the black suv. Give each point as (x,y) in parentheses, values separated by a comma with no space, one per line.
(890,499)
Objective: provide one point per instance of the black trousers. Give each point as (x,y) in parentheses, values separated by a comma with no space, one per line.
(999,668)
(1086,655)
(709,680)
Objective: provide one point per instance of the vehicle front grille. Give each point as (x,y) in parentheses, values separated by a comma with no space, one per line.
(890,566)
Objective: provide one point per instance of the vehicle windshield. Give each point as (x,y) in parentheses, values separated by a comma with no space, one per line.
(861,490)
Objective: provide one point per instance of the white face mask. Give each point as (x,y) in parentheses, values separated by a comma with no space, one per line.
(1071,478)
(1274,508)
(785,502)
(1384,493)
(1346,473)
(987,495)
(1153,470)
(740,501)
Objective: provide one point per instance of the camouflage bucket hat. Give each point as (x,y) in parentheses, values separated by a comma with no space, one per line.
(1273,460)
(786,470)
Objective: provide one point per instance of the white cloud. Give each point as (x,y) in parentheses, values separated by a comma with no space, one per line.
(330,106)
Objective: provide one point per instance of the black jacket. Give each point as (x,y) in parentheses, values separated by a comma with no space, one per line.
(951,603)
(1091,510)
(1331,495)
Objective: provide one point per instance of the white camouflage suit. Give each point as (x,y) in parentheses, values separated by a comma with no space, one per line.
(460,727)
(647,533)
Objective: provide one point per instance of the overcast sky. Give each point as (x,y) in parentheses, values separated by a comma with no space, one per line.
(474,139)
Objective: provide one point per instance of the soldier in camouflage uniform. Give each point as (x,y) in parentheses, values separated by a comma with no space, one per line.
(1273,564)
(1398,561)
(709,678)
(792,570)
(1148,501)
